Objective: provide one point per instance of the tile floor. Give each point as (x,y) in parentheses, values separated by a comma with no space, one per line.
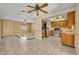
(13,45)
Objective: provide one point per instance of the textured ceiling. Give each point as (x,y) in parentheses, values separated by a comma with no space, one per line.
(12,11)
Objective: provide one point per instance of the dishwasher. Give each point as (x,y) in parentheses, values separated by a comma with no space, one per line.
(57,32)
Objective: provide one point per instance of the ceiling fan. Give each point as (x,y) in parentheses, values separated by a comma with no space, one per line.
(37,8)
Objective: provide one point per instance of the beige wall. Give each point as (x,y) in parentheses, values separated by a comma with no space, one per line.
(7,27)
(0,29)
(16,28)
(0,26)
(13,27)
(37,27)
(29,26)
(77,29)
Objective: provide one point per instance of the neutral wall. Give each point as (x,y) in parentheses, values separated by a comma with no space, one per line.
(14,27)
(0,26)
(0,30)
(77,29)
(37,28)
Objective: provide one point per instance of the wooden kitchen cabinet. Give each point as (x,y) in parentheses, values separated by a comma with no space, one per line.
(59,23)
(68,39)
(43,33)
(52,32)
(71,19)
(63,38)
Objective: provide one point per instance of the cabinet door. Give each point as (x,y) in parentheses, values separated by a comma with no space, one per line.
(71,18)
(63,39)
(52,32)
(43,33)
(70,40)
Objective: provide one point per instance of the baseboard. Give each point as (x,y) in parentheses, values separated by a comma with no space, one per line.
(68,45)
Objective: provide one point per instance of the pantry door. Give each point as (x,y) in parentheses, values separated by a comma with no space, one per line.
(7,28)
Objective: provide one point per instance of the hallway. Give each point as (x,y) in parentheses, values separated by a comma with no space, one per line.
(49,46)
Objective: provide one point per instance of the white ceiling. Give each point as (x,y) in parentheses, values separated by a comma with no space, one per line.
(11,10)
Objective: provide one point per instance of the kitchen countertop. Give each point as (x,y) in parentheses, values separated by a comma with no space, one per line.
(68,31)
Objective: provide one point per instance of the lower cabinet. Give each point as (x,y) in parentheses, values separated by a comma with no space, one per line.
(43,33)
(51,32)
(63,38)
(68,39)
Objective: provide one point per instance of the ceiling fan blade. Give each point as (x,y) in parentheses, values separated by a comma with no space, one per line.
(44,5)
(30,11)
(43,11)
(30,6)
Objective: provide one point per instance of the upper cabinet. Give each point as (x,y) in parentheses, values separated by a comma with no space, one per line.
(59,23)
(71,18)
